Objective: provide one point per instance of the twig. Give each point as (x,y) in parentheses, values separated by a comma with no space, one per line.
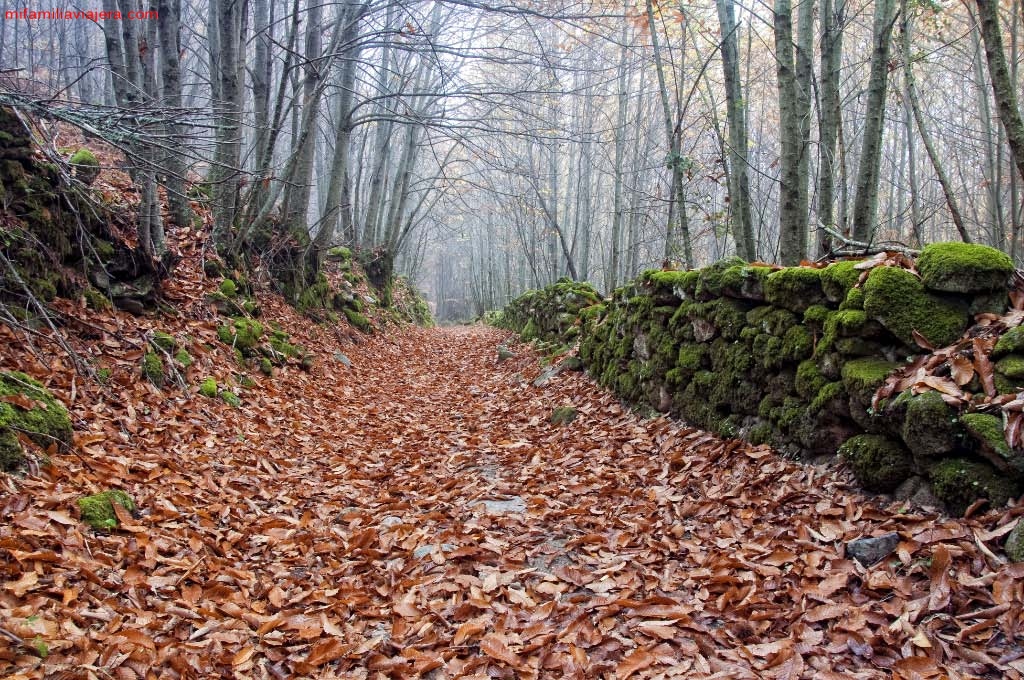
(854,247)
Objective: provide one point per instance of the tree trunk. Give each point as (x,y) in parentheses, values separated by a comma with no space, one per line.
(792,215)
(865,204)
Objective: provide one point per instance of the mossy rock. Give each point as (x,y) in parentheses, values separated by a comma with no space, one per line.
(839,278)
(1012,366)
(863,377)
(165,341)
(794,288)
(98,510)
(797,344)
(854,300)
(767,352)
(153,368)
(1010,342)
(830,398)
(710,282)
(898,300)
(771,320)
(563,415)
(815,317)
(930,428)
(183,358)
(995,302)
(959,482)
(266,367)
(964,267)
(339,253)
(243,334)
(96,300)
(879,463)
(230,398)
(1014,547)
(358,321)
(208,388)
(987,430)
(45,421)
(228,288)
(809,379)
(744,281)
(86,167)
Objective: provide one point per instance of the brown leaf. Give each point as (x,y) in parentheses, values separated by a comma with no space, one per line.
(327,650)
(636,661)
(983,367)
(961,369)
(494,646)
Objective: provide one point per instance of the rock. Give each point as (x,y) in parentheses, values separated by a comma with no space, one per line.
(794,288)
(963,267)
(342,359)
(987,430)
(563,415)
(504,353)
(878,463)
(513,505)
(98,510)
(898,300)
(871,550)
(29,408)
(1015,543)
(425,550)
(958,482)
(929,428)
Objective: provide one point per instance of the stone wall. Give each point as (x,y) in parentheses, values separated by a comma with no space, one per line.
(793,358)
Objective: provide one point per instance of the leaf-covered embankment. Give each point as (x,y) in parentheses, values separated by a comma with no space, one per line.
(419,515)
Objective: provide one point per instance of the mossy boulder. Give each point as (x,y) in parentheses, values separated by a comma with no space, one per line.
(208,388)
(1015,543)
(228,288)
(897,299)
(29,409)
(1011,366)
(183,358)
(987,430)
(809,379)
(153,368)
(959,482)
(879,463)
(165,341)
(230,398)
(358,321)
(243,334)
(794,288)
(930,428)
(86,167)
(863,377)
(98,510)
(710,279)
(744,281)
(1010,342)
(838,278)
(963,267)
(339,253)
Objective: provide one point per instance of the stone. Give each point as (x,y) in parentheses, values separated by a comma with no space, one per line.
(504,353)
(869,551)
(342,359)
(1015,543)
(513,505)
(964,267)
(563,415)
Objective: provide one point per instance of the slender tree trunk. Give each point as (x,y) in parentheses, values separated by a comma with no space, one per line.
(865,204)
(1003,87)
(612,274)
(170,48)
(792,219)
(739,190)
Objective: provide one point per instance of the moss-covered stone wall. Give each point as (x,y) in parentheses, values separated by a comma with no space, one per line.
(792,357)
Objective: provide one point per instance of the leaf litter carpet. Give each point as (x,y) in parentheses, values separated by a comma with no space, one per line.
(418,515)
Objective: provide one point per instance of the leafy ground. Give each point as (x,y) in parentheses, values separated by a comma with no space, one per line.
(417,515)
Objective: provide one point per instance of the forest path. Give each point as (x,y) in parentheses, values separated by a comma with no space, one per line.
(418,515)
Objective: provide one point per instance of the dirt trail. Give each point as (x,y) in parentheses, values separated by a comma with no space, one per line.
(417,515)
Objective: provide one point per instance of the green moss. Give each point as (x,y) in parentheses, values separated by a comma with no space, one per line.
(243,334)
(230,398)
(809,379)
(772,320)
(744,281)
(530,331)
(103,375)
(854,300)
(359,321)
(767,351)
(183,358)
(96,300)
(1012,366)
(710,278)
(87,168)
(1010,342)
(898,300)
(98,510)
(266,367)
(878,463)
(963,267)
(958,482)
(826,396)
(46,423)
(339,253)
(228,288)
(316,296)
(797,344)
(208,388)
(815,316)
(165,341)
(794,288)
(838,278)
(988,431)
(862,377)
(153,368)
(212,268)
(563,415)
